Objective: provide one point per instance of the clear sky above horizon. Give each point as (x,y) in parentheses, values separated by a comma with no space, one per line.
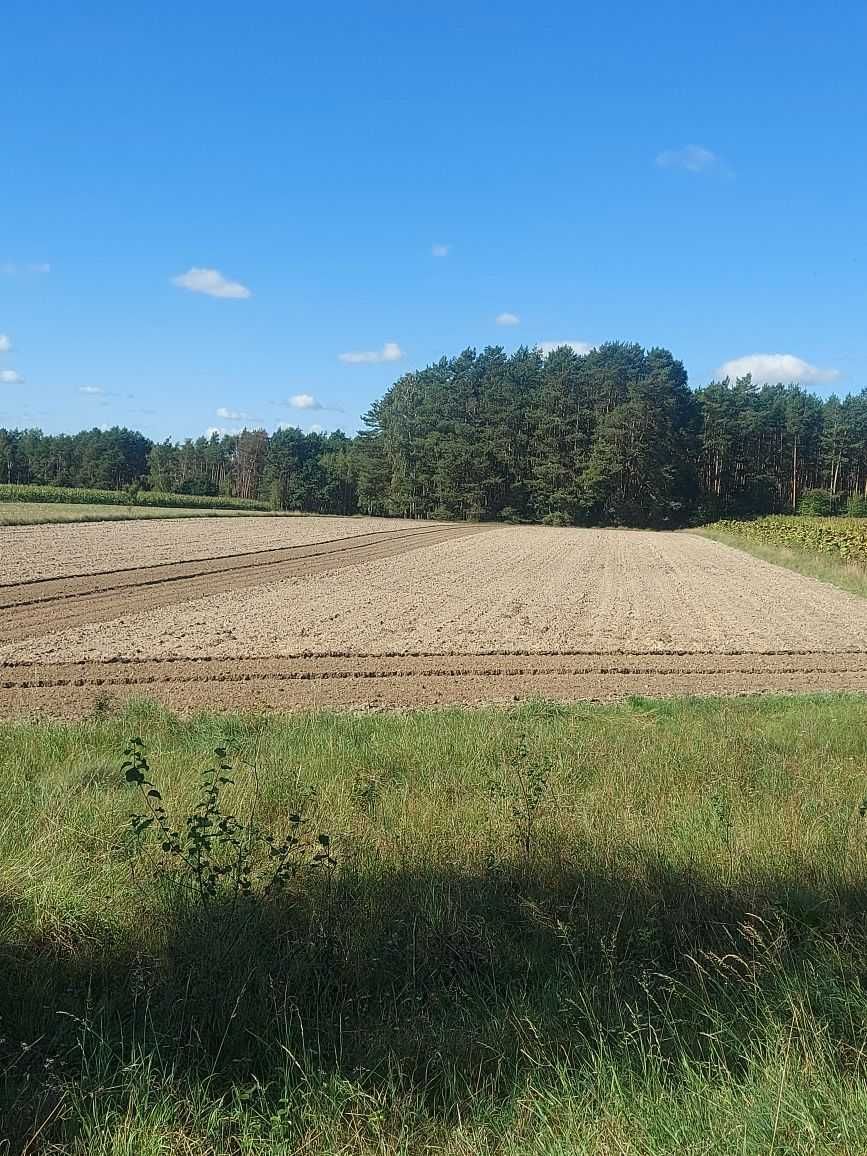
(217,214)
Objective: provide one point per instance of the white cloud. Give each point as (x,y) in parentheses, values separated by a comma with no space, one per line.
(222,431)
(315,428)
(773,367)
(579,347)
(231,414)
(5,343)
(211,282)
(391,351)
(508,319)
(305,401)
(10,377)
(693,159)
(440,250)
(91,390)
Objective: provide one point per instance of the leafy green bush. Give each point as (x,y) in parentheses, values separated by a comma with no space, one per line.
(856,506)
(557,518)
(200,487)
(819,503)
(443,514)
(511,515)
(28,493)
(212,854)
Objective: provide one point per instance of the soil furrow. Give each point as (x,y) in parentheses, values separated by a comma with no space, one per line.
(99,598)
(396,616)
(390,690)
(43,590)
(75,689)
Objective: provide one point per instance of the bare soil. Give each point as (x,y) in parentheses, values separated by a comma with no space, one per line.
(28,552)
(376,682)
(30,609)
(421,614)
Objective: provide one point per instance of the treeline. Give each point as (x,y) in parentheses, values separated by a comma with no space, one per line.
(289,469)
(615,436)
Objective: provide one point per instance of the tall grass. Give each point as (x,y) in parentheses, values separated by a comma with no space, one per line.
(672,961)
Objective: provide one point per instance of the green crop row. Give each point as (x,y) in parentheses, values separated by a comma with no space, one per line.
(27,493)
(842,538)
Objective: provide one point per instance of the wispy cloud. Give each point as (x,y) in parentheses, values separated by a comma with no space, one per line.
(5,343)
(210,282)
(223,431)
(91,390)
(391,351)
(769,368)
(440,250)
(579,347)
(692,159)
(228,414)
(507,319)
(11,268)
(10,377)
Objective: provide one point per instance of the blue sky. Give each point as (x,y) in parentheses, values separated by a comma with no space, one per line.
(203,205)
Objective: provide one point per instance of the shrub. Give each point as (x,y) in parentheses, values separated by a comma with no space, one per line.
(856,506)
(557,518)
(443,514)
(211,854)
(819,503)
(200,487)
(511,515)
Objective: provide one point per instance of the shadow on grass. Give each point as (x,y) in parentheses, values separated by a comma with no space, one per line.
(452,984)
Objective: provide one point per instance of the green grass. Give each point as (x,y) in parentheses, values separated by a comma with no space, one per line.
(677,966)
(39,513)
(851,576)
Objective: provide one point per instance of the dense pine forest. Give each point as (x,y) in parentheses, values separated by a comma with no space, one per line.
(614,436)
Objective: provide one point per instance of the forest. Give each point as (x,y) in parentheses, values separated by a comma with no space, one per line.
(612,437)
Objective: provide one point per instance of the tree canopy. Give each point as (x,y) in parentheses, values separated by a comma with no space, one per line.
(614,436)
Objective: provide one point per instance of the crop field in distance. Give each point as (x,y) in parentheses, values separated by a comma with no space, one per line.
(284,613)
(38,513)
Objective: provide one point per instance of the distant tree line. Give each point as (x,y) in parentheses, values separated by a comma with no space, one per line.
(614,436)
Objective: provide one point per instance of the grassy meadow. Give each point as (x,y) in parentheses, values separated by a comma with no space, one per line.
(595,930)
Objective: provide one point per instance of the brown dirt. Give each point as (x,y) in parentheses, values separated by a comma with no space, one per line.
(405,681)
(54,551)
(431,615)
(33,609)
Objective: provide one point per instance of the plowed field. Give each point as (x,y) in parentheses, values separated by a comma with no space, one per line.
(361,613)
